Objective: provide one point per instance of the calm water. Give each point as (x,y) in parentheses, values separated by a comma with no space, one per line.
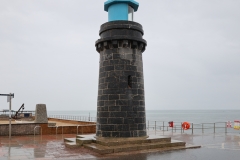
(193,116)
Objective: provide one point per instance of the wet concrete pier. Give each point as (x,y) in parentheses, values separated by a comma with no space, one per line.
(214,146)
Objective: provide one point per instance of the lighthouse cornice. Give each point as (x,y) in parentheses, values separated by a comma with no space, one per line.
(124,34)
(121,25)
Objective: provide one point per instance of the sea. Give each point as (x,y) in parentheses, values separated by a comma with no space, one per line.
(191,116)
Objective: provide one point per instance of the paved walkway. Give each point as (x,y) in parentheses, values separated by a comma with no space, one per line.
(214,146)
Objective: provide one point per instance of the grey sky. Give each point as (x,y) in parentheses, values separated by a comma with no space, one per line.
(191,62)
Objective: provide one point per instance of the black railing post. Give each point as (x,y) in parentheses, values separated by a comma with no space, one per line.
(214,127)
(192,128)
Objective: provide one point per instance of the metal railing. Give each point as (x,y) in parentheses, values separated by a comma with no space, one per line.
(35,129)
(39,133)
(216,127)
(57,129)
(13,112)
(81,129)
(163,126)
(74,118)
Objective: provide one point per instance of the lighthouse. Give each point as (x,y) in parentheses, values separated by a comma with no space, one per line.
(121,117)
(121,100)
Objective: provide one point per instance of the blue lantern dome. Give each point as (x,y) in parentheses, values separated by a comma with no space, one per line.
(121,9)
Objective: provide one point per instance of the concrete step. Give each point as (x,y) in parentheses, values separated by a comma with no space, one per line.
(82,141)
(79,141)
(101,149)
(69,139)
(72,145)
(190,146)
(165,149)
(92,136)
(123,141)
(152,143)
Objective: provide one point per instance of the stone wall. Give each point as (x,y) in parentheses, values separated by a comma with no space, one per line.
(19,129)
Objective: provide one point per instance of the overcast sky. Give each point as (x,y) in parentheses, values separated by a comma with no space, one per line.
(192,61)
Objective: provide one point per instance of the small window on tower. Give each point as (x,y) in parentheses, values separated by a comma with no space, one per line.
(129,81)
(130,13)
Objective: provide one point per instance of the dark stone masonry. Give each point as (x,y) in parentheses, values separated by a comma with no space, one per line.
(121,101)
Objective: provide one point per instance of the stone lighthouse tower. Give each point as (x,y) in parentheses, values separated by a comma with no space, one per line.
(121,101)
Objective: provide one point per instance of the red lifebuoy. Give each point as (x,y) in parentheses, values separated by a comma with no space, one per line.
(186,125)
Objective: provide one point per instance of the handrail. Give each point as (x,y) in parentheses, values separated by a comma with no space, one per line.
(77,129)
(57,129)
(37,127)
(156,125)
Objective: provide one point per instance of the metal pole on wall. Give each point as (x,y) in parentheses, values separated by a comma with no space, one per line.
(10,115)
(9,99)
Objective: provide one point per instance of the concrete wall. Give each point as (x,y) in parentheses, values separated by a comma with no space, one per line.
(68,129)
(28,129)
